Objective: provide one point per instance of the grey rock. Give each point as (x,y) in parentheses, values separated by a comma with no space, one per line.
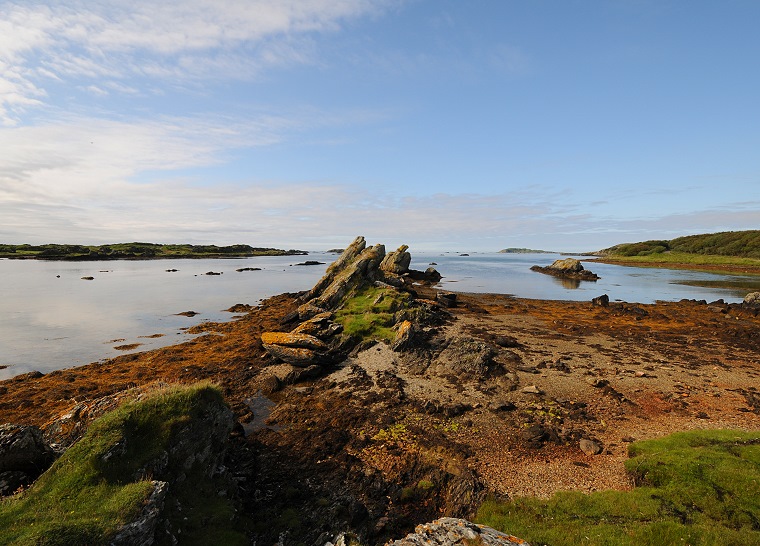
(467,357)
(453,532)
(397,262)
(753,299)
(22,448)
(590,447)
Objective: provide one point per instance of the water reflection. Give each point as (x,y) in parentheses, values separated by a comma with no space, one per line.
(52,319)
(570,284)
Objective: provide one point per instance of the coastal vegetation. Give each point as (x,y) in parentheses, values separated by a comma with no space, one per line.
(125,251)
(370,313)
(721,250)
(103,481)
(697,487)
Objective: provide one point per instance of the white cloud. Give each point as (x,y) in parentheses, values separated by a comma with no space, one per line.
(111,41)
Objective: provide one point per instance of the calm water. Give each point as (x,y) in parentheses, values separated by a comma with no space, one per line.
(50,318)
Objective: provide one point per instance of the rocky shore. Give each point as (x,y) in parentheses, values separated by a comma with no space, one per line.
(466,396)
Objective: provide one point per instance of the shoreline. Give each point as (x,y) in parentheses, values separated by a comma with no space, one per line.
(564,370)
(712,268)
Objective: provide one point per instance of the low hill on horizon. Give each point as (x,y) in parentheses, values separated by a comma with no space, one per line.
(122,251)
(524,251)
(741,244)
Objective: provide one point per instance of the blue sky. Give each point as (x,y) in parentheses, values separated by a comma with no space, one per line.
(442,124)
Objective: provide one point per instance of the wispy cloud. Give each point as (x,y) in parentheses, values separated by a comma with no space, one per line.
(103,43)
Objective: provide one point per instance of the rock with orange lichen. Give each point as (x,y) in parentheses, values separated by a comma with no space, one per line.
(293,340)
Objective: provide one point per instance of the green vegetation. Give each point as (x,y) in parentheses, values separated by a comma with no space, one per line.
(734,244)
(101,482)
(370,314)
(697,487)
(123,251)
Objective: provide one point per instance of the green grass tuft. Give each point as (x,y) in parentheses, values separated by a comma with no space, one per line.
(698,487)
(86,496)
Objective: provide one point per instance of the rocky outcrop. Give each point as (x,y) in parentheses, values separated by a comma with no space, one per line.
(569,268)
(317,339)
(752,299)
(466,358)
(142,531)
(24,455)
(453,532)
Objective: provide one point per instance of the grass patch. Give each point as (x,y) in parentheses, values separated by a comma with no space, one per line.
(680,258)
(99,484)
(698,487)
(370,314)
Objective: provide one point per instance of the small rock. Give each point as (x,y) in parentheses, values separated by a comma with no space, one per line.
(590,447)
(752,299)
(602,301)
(531,389)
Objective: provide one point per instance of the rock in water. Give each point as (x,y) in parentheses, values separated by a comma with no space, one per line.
(569,268)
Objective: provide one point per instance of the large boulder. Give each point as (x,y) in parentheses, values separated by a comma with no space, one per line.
(22,448)
(753,299)
(567,268)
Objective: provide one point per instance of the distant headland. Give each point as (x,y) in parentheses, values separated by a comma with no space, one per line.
(137,251)
(524,251)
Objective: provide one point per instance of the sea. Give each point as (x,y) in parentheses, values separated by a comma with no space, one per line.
(53,316)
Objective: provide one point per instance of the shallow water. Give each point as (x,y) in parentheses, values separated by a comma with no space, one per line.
(51,319)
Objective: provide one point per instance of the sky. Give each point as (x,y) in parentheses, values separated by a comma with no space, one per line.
(567,125)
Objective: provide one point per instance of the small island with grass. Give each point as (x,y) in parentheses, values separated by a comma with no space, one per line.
(136,251)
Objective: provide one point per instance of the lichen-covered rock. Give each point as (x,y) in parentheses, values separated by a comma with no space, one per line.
(753,298)
(293,339)
(349,255)
(397,262)
(320,326)
(453,532)
(295,356)
(404,336)
(362,270)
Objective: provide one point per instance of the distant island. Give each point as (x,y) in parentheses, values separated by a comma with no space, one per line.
(136,251)
(727,251)
(524,251)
